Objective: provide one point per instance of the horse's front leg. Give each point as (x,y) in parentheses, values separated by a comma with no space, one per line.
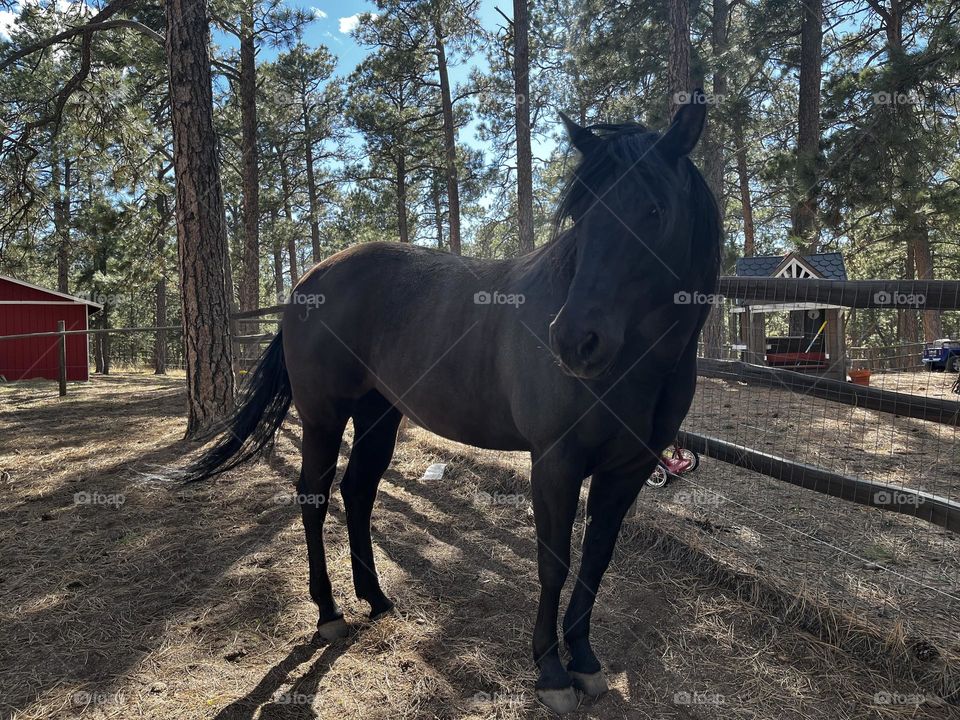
(611,495)
(556,489)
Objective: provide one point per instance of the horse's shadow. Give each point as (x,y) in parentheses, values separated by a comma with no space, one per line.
(297,702)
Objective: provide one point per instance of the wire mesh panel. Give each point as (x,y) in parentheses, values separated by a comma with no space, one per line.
(883,568)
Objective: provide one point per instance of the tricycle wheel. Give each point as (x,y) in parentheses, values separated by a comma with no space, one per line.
(692,456)
(659,477)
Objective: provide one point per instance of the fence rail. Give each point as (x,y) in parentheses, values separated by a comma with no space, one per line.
(920,407)
(932,508)
(253,314)
(61,334)
(889,357)
(90,331)
(876,294)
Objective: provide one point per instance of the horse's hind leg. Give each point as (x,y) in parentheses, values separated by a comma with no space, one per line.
(375,424)
(321,447)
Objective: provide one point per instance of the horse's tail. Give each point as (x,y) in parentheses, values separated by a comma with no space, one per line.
(249,430)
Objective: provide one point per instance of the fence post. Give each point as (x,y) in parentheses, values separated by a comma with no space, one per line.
(62,343)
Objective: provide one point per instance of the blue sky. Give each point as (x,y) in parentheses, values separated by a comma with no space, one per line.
(333,17)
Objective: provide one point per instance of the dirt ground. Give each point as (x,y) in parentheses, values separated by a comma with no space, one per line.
(934,384)
(127,598)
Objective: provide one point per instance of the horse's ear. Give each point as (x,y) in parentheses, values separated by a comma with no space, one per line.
(684,132)
(580,137)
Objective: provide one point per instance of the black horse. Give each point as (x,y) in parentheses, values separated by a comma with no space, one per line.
(582,352)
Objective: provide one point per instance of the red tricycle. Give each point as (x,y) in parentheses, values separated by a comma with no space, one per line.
(674,462)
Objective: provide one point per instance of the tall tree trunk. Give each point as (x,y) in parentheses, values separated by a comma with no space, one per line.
(678,61)
(715,164)
(160,289)
(521,86)
(288,214)
(250,281)
(103,342)
(804,215)
(923,260)
(401,190)
(101,347)
(311,181)
(909,327)
(62,219)
(201,225)
(908,202)
(437,210)
(450,146)
(160,318)
(743,180)
(713,141)
(277,250)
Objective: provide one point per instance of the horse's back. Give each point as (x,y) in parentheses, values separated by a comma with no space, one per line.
(403,320)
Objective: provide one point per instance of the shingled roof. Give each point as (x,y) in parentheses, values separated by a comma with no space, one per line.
(828,265)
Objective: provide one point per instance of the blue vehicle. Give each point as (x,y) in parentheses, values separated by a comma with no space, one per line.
(942,355)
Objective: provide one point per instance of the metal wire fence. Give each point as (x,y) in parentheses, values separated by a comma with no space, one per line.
(889,559)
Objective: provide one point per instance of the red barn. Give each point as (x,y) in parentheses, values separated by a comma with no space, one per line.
(26,308)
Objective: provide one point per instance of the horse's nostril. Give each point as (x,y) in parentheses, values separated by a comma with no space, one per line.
(588,346)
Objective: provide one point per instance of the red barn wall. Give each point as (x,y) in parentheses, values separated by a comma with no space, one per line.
(38,357)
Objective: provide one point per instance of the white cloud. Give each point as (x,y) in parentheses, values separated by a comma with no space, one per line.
(349,24)
(318,13)
(7,20)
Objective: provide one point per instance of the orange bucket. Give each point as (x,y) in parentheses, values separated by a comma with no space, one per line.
(860,377)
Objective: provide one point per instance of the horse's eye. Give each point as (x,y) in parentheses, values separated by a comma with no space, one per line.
(653,213)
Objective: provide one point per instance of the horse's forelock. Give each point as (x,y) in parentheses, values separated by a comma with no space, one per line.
(626,150)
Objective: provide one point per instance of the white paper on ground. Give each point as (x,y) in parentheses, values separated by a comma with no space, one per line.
(434,472)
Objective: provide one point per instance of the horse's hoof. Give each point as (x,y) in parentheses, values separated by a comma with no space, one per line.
(592,684)
(382,611)
(560,700)
(331,630)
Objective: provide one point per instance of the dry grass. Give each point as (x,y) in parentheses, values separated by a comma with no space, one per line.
(192,604)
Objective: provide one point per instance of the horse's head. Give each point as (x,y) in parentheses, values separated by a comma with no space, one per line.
(638,207)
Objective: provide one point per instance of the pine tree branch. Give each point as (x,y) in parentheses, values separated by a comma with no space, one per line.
(87,28)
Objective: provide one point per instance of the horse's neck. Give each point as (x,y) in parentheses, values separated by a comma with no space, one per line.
(548,267)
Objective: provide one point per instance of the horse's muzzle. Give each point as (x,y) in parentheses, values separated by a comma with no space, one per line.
(585,350)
